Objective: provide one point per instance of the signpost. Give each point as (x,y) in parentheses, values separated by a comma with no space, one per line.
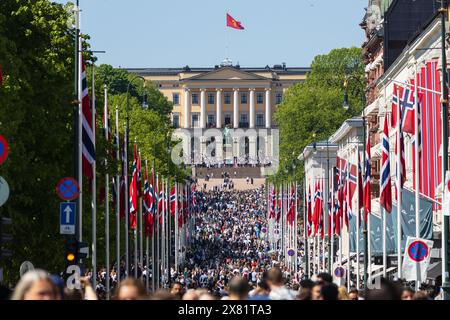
(339,274)
(4,149)
(67,212)
(416,259)
(68,189)
(4,191)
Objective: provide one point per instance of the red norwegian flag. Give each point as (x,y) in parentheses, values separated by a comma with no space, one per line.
(139,178)
(309,213)
(148,214)
(133,192)
(367,198)
(173,201)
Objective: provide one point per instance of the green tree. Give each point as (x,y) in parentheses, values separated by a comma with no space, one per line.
(312,110)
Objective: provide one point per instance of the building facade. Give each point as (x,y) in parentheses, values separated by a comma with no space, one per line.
(224,114)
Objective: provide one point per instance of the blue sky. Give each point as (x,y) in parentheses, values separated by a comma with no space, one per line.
(175,33)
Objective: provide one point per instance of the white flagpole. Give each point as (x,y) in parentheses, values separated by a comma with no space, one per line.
(147,244)
(135,233)
(417,161)
(141,225)
(384,217)
(331,226)
(176,226)
(358,222)
(399,189)
(107,200)
(163,234)
(296,229)
(347,203)
(80,131)
(118,198)
(127,209)
(94,192)
(158,262)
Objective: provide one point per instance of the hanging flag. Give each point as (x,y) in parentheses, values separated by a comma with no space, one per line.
(367,176)
(173,200)
(232,23)
(161,203)
(88,137)
(386,192)
(402,176)
(406,108)
(414,148)
(139,178)
(308,212)
(360,187)
(148,214)
(133,192)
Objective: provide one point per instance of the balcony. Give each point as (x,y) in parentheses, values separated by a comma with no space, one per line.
(244,125)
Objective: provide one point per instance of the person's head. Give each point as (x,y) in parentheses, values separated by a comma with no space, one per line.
(177,289)
(353,294)
(316,290)
(343,294)
(73,294)
(275,277)
(238,288)
(130,289)
(407,294)
(421,295)
(35,285)
(329,291)
(190,294)
(325,277)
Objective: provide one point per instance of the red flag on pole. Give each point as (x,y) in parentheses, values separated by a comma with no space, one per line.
(133,192)
(232,23)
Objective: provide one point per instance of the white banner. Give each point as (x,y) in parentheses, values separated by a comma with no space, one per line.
(416,259)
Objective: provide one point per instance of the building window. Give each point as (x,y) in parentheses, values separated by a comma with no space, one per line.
(227,118)
(227,98)
(210,98)
(211,121)
(176,99)
(195,98)
(259,98)
(195,120)
(278,98)
(259,120)
(243,123)
(176,120)
(244,98)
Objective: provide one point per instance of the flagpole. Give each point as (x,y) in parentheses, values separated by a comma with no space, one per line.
(127,209)
(399,188)
(94,193)
(169,231)
(176,227)
(158,264)
(153,232)
(331,226)
(384,217)
(358,222)
(417,160)
(80,132)
(135,231)
(107,199)
(147,245)
(118,197)
(347,204)
(163,233)
(141,225)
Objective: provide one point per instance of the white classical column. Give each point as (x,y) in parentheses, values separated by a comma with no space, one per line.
(268,109)
(252,108)
(203,108)
(235,108)
(219,109)
(187,107)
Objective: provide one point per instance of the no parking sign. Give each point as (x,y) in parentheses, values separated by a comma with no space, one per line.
(416,259)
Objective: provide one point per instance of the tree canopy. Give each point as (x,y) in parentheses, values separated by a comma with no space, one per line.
(312,110)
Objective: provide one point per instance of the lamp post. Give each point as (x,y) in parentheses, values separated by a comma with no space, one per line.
(346,106)
(127,217)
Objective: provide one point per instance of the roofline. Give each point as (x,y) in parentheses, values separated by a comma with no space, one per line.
(345,128)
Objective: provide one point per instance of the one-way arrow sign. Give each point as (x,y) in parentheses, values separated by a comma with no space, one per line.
(67,217)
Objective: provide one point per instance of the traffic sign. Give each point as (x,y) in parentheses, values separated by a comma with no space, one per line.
(67,212)
(4,149)
(416,259)
(339,272)
(4,191)
(291,252)
(418,251)
(68,189)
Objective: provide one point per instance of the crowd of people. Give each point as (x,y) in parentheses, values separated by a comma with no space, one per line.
(228,258)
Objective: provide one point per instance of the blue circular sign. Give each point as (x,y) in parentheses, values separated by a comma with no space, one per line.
(418,251)
(339,272)
(291,252)
(68,189)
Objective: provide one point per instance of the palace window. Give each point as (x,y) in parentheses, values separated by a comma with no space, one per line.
(259,120)
(195,120)
(259,98)
(195,98)
(176,99)
(176,120)
(227,118)
(227,98)
(278,98)
(244,98)
(211,120)
(210,98)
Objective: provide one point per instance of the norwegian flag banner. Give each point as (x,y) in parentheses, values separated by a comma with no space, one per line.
(385,179)
(88,130)
(133,192)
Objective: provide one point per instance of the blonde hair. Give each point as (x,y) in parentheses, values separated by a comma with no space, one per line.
(343,295)
(27,281)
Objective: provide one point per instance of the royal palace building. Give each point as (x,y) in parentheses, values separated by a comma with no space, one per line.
(224,114)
